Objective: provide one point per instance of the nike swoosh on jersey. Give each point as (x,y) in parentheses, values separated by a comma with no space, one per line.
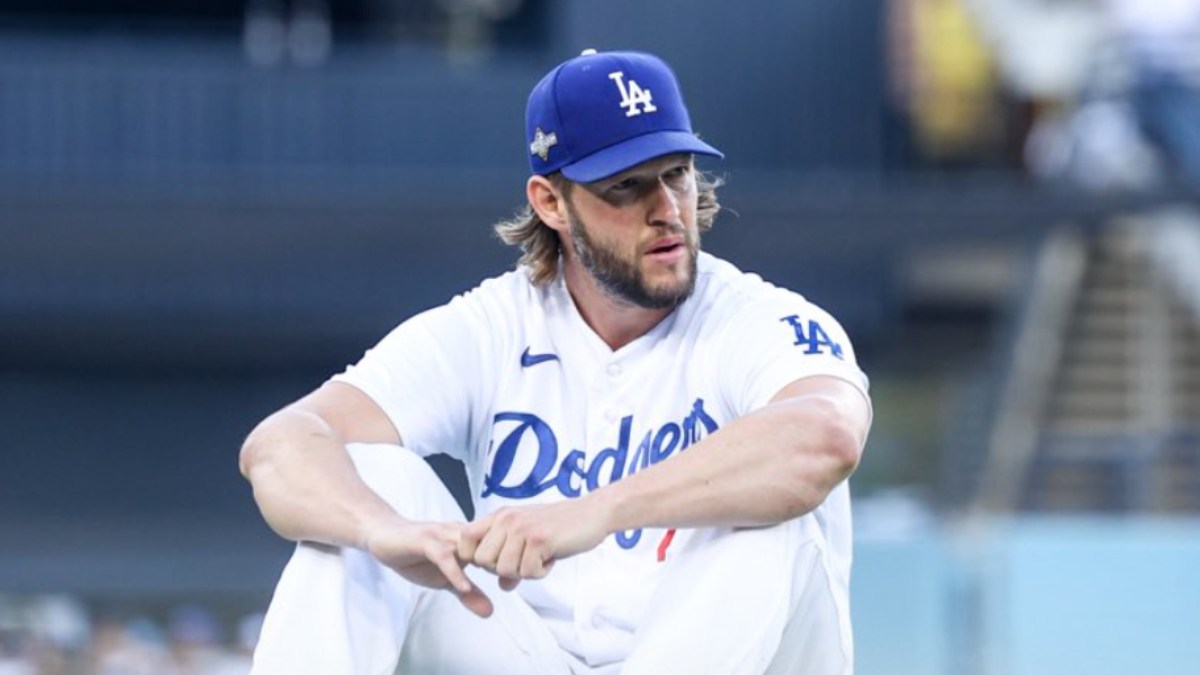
(528,359)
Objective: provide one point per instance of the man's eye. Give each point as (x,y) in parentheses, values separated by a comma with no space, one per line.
(677,173)
(625,185)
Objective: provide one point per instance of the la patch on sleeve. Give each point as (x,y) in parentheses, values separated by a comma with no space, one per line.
(810,334)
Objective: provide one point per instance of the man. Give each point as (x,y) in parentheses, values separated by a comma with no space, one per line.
(656,443)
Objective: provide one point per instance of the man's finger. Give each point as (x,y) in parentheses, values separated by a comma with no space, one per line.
(448,565)
(489,549)
(508,583)
(470,537)
(476,602)
(532,565)
(508,562)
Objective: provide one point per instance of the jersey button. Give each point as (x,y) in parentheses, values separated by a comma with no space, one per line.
(614,370)
(612,414)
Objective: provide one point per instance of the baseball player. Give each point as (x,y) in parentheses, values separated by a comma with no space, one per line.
(656,442)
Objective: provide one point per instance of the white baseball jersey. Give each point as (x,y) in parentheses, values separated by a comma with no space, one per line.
(510,379)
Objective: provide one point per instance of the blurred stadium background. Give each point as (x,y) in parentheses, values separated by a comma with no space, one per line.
(208,207)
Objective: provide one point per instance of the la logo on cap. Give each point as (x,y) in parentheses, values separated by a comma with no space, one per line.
(633,96)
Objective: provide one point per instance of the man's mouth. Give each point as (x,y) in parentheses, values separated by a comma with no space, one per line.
(666,247)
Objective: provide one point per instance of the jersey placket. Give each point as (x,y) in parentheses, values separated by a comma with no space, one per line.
(602,433)
(610,398)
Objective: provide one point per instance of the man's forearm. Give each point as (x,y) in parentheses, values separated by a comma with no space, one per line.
(767,467)
(306,485)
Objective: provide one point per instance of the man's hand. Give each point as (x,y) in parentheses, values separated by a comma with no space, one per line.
(524,542)
(425,553)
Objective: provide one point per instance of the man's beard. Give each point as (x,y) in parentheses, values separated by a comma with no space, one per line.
(622,280)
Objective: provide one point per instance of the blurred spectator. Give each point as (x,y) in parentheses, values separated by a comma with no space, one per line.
(197,646)
(135,647)
(57,635)
(248,630)
(1161,40)
(59,628)
(1045,50)
(1097,145)
(1111,87)
(1045,54)
(300,31)
(14,659)
(942,79)
(14,643)
(61,621)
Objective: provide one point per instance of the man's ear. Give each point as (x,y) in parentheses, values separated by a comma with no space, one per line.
(548,202)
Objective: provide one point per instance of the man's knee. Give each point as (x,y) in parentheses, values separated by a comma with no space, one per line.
(405,481)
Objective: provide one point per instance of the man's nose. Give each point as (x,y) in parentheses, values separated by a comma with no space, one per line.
(664,207)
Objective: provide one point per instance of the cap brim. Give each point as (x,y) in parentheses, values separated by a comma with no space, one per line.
(625,155)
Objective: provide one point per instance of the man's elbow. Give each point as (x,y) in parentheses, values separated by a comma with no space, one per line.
(260,446)
(828,453)
(843,449)
(252,454)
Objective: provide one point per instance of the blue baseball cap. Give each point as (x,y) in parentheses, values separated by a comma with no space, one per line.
(604,112)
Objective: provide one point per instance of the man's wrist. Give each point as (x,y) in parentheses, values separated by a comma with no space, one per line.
(371,525)
(609,503)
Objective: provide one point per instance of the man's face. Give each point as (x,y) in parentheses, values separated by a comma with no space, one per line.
(636,234)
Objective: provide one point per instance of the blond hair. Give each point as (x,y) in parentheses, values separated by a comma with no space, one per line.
(539,243)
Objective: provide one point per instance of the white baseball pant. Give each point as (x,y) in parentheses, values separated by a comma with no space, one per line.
(742,602)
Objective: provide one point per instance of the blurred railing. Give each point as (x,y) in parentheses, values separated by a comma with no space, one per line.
(1175,253)
(1098,405)
(1035,351)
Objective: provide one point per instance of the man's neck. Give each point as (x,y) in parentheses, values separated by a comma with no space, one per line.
(616,321)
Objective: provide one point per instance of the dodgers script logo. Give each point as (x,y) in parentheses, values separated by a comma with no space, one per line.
(633,96)
(572,473)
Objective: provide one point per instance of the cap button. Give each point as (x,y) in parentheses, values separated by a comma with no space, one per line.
(588,52)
